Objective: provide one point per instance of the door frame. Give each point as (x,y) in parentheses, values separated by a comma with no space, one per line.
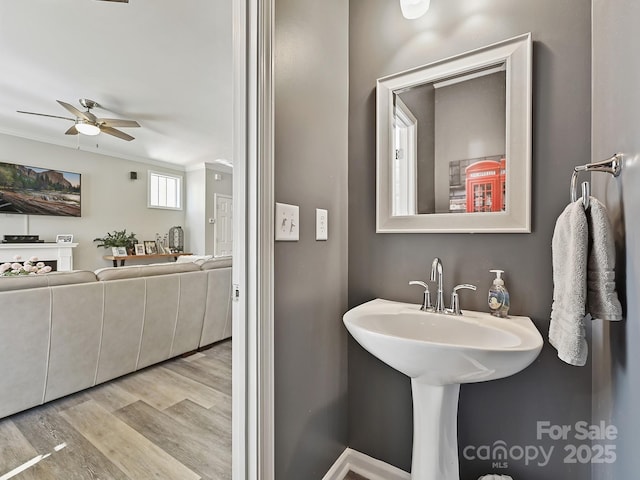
(406,180)
(252,273)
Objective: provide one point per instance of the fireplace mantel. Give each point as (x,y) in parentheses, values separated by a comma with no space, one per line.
(62,253)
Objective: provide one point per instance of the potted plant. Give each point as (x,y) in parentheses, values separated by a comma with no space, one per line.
(119,238)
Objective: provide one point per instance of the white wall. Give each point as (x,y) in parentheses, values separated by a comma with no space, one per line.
(110,200)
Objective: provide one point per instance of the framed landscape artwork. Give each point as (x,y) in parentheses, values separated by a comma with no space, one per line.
(38,191)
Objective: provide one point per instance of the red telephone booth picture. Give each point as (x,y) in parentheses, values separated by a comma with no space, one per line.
(485,186)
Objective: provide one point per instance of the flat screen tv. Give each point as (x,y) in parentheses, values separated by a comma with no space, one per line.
(38,191)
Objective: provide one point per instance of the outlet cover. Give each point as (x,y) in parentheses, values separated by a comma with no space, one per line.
(322,224)
(287,222)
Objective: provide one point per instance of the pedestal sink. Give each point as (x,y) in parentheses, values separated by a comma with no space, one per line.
(439,352)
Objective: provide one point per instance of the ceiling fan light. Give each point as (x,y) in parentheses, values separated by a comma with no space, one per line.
(412,9)
(87,128)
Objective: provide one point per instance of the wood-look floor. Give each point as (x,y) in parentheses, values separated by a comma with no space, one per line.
(169,421)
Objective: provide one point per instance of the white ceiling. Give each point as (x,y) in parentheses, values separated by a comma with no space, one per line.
(165,63)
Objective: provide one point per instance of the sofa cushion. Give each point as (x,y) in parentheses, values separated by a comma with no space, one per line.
(52,279)
(137,271)
(198,259)
(219,262)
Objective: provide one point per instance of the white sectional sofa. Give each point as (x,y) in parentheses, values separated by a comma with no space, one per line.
(63,332)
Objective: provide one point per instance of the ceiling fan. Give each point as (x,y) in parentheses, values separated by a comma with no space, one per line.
(87,123)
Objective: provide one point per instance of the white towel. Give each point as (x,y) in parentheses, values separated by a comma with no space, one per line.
(583,277)
(569,255)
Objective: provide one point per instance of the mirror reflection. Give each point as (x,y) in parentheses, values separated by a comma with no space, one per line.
(454,143)
(449,144)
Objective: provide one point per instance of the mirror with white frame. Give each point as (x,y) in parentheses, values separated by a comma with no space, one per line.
(454,143)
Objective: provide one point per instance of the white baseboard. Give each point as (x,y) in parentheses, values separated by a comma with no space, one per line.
(364,465)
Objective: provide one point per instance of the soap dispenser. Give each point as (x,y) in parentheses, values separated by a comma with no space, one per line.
(498,296)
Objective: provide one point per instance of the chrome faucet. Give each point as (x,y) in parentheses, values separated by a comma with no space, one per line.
(436,276)
(436,268)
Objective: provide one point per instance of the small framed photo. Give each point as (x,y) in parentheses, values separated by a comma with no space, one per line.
(139,248)
(150,247)
(64,238)
(119,251)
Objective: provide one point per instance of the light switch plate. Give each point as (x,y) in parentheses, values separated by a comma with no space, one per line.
(322,224)
(287,222)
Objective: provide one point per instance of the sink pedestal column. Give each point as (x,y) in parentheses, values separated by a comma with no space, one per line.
(435,431)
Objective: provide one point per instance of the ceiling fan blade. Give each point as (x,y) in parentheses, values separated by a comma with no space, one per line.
(120,1)
(45,115)
(116,133)
(78,113)
(117,122)
(72,131)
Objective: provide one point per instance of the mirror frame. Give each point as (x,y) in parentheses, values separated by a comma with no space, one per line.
(516,53)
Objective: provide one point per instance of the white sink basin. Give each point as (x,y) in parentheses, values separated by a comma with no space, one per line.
(439,352)
(444,349)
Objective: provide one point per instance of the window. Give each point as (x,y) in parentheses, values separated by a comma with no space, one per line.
(165,191)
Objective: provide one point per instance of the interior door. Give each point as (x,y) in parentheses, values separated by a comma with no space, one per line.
(223,226)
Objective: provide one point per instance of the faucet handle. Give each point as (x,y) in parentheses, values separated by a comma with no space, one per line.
(426,296)
(464,285)
(455,300)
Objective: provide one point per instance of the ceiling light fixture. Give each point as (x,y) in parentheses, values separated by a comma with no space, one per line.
(412,9)
(87,128)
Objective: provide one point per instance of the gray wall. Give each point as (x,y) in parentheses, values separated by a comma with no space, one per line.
(311,89)
(616,117)
(380,265)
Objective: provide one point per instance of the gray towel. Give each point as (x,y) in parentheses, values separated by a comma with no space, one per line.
(583,277)
(602,298)
(569,255)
